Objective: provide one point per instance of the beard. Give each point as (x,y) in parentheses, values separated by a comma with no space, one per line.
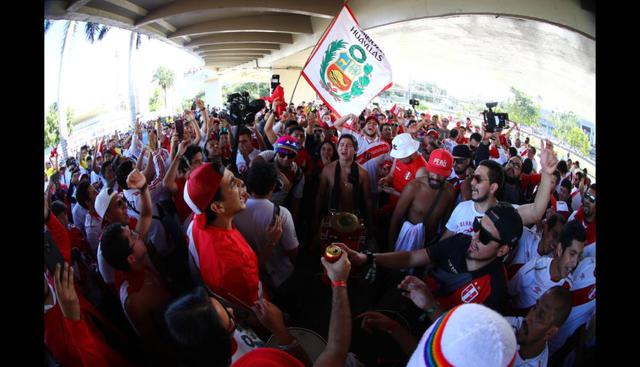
(366,132)
(460,171)
(481,199)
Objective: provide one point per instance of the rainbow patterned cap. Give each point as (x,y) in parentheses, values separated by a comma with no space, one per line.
(469,335)
(286,144)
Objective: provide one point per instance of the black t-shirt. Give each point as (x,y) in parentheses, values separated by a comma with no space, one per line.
(455,284)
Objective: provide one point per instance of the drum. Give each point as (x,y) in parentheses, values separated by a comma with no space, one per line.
(343,227)
(312,343)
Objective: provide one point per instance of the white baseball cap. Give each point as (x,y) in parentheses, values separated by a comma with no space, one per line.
(103,200)
(469,335)
(403,146)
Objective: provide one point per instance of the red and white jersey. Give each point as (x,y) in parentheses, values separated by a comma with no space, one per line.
(522,151)
(461,220)
(590,242)
(370,155)
(531,281)
(243,342)
(576,199)
(538,361)
(583,294)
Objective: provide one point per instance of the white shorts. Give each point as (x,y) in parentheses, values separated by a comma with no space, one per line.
(411,237)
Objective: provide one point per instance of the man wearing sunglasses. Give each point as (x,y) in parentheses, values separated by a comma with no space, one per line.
(487,182)
(463,268)
(458,177)
(587,216)
(517,183)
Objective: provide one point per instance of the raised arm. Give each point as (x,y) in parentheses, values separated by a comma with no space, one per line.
(391,260)
(169,180)
(531,213)
(335,353)
(268,127)
(340,122)
(136,180)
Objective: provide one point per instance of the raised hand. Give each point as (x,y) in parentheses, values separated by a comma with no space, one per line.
(339,270)
(66,293)
(548,158)
(356,257)
(417,291)
(136,179)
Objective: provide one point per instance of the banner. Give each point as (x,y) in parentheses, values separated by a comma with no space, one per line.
(347,69)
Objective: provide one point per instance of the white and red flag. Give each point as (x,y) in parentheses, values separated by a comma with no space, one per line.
(347,69)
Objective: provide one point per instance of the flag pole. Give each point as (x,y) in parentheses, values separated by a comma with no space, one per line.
(314,49)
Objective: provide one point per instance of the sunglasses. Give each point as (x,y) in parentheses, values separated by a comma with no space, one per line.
(484,236)
(588,196)
(478,178)
(286,155)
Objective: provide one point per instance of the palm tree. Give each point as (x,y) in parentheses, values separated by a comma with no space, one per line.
(164,77)
(92,30)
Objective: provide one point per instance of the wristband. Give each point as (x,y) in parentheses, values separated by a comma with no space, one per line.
(339,283)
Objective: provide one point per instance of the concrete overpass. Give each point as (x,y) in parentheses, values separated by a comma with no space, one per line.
(279,34)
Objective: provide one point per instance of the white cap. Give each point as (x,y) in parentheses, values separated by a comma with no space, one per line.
(102,201)
(469,335)
(403,146)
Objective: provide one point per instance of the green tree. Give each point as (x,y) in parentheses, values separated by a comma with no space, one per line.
(51,132)
(164,77)
(578,140)
(522,109)
(255,90)
(154,99)
(563,122)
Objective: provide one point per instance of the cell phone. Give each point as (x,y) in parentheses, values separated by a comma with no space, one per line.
(180,128)
(145,137)
(52,255)
(276,212)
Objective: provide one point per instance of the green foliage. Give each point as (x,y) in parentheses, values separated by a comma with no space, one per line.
(522,109)
(154,100)
(70,116)
(255,90)
(328,56)
(164,77)
(51,133)
(95,30)
(578,140)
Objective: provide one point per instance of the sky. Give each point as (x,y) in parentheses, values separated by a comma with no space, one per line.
(95,74)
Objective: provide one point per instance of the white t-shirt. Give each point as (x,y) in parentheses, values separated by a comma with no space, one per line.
(527,248)
(531,281)
(240,162)
(370,155)
(538,361)
(95,177)
(576,199)
(245,340)
(93,231)
(253,223)
(78,213)
(583,293)
(107,271)
(461,220)
(449,144)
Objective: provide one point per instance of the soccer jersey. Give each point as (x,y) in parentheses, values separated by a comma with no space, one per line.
(526,250)
(461,220)
(538,361)
(369,155)
(531,281)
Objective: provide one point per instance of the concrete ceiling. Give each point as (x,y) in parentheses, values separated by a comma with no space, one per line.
(289,26)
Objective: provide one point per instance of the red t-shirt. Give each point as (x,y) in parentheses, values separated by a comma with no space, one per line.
(178,199)
(405,173)
(227,263)
(301,158)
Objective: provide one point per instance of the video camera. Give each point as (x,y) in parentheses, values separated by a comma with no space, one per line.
(414,102)
(241,109)
(494,120)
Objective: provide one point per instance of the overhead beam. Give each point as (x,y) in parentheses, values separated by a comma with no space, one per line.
(282,23)
(322,9)
(238,47)
(230,58)
(241,37)
(240,52)
(75,5)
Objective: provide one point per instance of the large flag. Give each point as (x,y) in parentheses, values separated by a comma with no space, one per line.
(347,69)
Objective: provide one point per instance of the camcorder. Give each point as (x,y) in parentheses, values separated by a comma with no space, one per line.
(414,102)
(241,109)
(275,81)
(494,121)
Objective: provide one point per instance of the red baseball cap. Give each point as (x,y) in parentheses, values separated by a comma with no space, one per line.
(372,118)
(267,357)
(440,162)
(433,133)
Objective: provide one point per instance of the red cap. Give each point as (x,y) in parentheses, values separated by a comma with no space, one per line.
(201,187)
(433,133)
(440,162)
(267,357)
(503,140)
(372,118)
(458,124)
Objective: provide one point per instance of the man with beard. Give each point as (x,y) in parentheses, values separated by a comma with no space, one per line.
(486,183)
(538,275)
(425,201)
(517,184)
(542,322)
(463,268)
(371,149)
(458,178)
(387,133)
(587,216)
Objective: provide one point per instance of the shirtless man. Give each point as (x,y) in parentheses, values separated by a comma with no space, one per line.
(344,199)
(416,201)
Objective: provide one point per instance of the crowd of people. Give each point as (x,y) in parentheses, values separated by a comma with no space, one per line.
(201,241)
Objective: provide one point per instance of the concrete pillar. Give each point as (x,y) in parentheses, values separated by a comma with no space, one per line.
(213,92)
(288,79)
